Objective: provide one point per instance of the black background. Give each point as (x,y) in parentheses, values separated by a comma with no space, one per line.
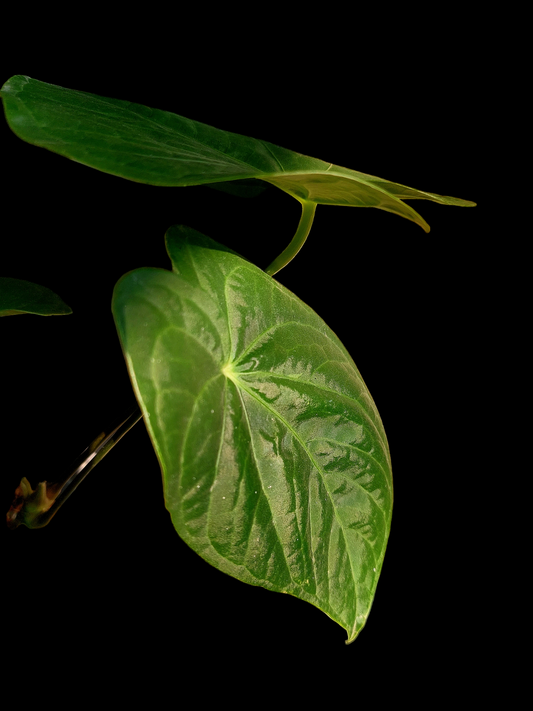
(109,573)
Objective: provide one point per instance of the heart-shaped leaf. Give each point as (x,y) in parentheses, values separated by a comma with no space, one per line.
(158,147)
(275,463)
(23,297)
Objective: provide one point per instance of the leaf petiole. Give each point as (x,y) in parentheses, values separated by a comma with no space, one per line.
(297,242)
(34,508)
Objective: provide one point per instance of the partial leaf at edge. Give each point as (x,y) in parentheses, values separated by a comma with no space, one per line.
(160,148)
(275,463)
(18,296)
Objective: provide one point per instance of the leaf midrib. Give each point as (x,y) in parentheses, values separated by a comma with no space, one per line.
(297,437)
(257,459)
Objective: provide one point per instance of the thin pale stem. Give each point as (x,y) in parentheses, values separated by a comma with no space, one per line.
(35,508)
(304,227)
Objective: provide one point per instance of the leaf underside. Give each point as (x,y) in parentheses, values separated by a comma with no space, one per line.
(275,463)
(161,148)
(18,296)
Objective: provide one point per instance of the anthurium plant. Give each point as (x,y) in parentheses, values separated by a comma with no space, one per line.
(274,459)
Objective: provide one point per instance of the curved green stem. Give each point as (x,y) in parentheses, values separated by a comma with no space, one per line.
(304,227)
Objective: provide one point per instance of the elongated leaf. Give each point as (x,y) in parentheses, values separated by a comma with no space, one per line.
(23,297)
(275,463)
(161,148)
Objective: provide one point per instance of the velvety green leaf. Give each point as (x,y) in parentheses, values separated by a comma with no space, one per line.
(22,297)
(275,463)
(161,148)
